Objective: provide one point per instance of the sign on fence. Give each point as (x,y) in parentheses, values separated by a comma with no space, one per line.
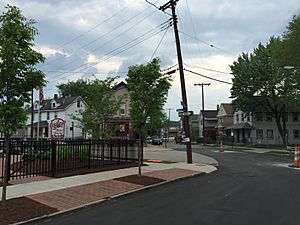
(57,128)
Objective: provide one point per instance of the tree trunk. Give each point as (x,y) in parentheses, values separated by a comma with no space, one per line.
(281,127)
(6,169)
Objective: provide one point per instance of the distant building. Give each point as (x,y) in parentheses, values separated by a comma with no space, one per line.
(259,127)
(209,118)
(225,119)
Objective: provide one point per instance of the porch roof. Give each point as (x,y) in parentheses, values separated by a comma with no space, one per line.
(239,126)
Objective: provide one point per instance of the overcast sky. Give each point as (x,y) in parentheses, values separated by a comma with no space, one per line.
(82,38)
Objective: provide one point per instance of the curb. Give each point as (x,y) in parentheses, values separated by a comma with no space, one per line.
(101,201)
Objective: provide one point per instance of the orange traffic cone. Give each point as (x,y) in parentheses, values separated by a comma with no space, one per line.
(297,156)
(222,147)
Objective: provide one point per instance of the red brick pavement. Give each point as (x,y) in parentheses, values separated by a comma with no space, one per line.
(67,198)
(170,174)
(75,196)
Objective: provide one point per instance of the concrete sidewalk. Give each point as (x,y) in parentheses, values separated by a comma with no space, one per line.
(69,193)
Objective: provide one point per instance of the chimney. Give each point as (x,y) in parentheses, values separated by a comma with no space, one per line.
(55,96)
(218,107)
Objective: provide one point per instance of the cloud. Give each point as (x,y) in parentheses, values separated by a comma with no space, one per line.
(75,34)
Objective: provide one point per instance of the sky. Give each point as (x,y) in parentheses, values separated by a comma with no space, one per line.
(95,39)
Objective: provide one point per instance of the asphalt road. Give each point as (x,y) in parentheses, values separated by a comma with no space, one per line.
(248,189)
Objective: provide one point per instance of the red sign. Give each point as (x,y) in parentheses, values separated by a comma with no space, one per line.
(122,127)
(57,128)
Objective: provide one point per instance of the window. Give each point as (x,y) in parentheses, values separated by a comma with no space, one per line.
(123,109)
(237,118)
(53,104)
(242,117)
(259,134)
(295,117)
(221,119)
(78,103)
(269,117)
(55,114)
(48,115)
(296,134)
(270,134)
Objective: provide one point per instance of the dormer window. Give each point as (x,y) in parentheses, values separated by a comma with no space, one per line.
(78,103)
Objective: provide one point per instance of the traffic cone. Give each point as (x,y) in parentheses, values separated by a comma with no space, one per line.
(222,147)
(297,156)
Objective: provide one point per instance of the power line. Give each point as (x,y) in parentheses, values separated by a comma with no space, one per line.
(145,36)
(108,42)
(225,82)
(210,45)
(133,43)
(105,34)
(212,70)
(94,27)
(159,43)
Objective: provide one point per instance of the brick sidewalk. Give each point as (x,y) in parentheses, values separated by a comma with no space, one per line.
(68,198)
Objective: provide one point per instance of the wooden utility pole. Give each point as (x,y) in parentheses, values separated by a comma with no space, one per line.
(186,121)
(203,125)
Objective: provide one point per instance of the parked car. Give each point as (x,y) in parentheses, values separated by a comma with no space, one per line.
(156,141)
(149,139)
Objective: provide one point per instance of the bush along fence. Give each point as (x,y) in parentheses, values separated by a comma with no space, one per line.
(51,157)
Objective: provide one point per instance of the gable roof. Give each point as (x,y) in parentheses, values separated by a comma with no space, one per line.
(62,102)
(209,113)
(228,108)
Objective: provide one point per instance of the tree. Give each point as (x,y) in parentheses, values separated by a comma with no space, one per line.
(102,104)
(74,88)
(260,80)
(18,75)
(148,89)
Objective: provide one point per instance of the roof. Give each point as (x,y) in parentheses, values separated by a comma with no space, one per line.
(209,113)
(239,126)
(62,102)
(228,108)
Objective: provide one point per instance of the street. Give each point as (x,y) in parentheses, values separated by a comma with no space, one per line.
(248,189)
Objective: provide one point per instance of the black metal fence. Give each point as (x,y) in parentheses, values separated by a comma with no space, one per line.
(50,158)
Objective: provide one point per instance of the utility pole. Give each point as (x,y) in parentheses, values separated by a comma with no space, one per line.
(186,121)
(203,126)
(169,109)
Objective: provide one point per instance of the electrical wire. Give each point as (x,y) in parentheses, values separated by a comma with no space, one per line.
(221,81)
(108,42)
(105,34)
(159,43)
(133,43)
(203,68)
(206,43)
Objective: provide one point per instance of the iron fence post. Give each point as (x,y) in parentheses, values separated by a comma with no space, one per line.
(9,160)
(90,149)
(111,149)
(53,157)
(119,151)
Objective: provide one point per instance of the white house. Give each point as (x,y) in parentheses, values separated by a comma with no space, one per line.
(260,128)
(58,107)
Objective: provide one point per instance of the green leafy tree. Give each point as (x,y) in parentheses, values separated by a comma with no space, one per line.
(148,89)
(18,74)
(74,88)
(102,104)
(260,81)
